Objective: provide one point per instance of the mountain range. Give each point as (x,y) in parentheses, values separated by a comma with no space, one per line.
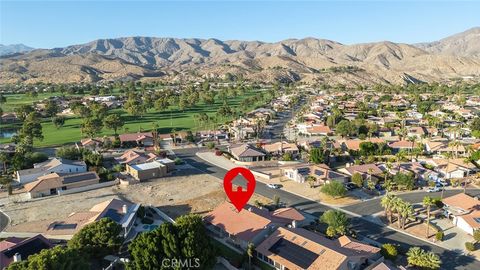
(308,60)
(14,48)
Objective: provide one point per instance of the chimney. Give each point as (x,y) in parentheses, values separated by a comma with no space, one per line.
(124,209)
(17,257)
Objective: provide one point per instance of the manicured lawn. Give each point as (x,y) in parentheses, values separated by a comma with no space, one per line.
(16,100)
(167,120)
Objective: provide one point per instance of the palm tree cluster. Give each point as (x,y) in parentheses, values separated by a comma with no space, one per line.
(395,205)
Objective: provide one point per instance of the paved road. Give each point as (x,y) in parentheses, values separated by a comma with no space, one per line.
(373,206)
(379,233)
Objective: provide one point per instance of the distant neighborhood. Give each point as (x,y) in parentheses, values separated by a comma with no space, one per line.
(333,167)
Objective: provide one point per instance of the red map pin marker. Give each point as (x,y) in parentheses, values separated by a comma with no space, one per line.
(239,197)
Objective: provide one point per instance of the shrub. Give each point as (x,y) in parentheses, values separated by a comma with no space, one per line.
(476,235)
(389,251)
(210,145)
(469,246)
(334,189)
(439,236)
(218,153)
(178,161)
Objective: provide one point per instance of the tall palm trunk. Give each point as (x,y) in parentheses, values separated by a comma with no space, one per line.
(428,220)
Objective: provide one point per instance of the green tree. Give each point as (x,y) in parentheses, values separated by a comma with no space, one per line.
(184,240)
(334,189)
(98,239)
(287,156)
(51,108)
(344,128)
(91,127)
(389,251)
(387,203)
(250,253)
(428,202)
(336,220)
(57,258)
(113,122)
(316,155)
(357,179)
(146,251)
(58,121)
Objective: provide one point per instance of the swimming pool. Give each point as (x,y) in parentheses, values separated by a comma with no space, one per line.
(150,227)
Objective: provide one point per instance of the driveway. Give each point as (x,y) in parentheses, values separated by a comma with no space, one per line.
(361,224)
(373,206)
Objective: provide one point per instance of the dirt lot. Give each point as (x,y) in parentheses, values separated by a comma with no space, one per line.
(186,191)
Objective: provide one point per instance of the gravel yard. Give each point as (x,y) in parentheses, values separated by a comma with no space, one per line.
(185,191)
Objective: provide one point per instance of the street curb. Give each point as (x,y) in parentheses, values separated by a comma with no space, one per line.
(349,212)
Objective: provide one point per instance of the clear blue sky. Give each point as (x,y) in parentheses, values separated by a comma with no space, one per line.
(44,24)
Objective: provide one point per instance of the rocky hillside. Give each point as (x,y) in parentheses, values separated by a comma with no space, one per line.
(306,59)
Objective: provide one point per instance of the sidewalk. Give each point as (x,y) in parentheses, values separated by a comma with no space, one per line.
(227,165)
(299,189)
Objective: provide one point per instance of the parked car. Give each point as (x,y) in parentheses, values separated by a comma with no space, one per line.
(434,189)
(350,186)
(274,186)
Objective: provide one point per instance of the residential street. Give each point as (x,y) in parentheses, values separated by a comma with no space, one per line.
(373,206)
(379,233)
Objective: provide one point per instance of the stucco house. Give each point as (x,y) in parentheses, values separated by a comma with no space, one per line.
(54,165)
(464,211)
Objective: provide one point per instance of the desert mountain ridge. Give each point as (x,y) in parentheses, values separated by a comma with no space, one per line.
(308,60)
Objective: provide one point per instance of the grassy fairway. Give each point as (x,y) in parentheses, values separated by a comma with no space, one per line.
(167,120)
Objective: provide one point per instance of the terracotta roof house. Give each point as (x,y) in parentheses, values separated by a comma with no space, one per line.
(246,153)
(135,157)
(319,130)
(452,168)
(465,211)
(355,144)
(441,147)
(140,138)
(399,145)
(321,172)
(17,249)
(54,183)
(418,132)
(364,170)
(297,248)
(54,165)
(420,172)
(279,148)
(239,228)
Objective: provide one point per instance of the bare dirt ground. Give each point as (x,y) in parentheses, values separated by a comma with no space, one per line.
(186,191)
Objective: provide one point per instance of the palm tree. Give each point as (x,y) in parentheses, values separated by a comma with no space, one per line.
(397,206)
(428,202)
(387,203)
(412,139)
(407,212)
(250,250)
(4,158)
(448,155)
(465,179)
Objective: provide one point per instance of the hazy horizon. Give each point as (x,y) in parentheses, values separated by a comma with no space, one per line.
(49,24)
